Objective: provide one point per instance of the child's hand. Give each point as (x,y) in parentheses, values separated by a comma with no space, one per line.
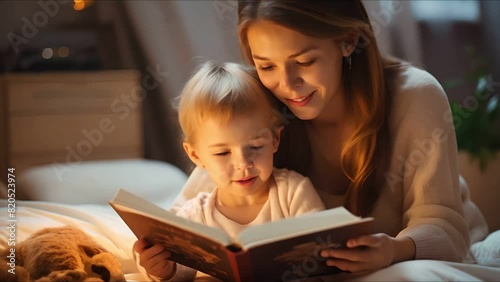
(370,252)
(155,259)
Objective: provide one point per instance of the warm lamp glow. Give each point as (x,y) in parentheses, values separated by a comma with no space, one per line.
(78,6)
(81,4)
(63,51)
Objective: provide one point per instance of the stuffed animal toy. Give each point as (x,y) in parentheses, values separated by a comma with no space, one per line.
(61,254)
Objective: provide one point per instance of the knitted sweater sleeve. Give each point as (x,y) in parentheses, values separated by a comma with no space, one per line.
(424,167)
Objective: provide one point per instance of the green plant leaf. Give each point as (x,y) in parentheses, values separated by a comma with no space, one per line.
(477,129)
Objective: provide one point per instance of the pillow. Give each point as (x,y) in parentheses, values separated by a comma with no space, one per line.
(487,252)
(96,182)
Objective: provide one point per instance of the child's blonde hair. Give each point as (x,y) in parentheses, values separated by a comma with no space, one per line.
(221,91)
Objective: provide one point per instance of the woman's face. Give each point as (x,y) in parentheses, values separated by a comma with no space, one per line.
(303,72)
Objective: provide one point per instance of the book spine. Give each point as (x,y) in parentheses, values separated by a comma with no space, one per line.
(241,265)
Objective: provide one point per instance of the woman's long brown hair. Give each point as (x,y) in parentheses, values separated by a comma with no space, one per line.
(364,156)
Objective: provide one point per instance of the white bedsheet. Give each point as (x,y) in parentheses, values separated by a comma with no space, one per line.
(424,270)
(99,221)
(106,227)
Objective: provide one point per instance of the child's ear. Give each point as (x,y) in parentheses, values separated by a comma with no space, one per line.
(192,154)
(277,138)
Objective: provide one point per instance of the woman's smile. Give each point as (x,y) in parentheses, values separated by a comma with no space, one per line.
(301,101)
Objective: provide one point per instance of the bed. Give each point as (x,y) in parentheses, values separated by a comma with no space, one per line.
(81,200)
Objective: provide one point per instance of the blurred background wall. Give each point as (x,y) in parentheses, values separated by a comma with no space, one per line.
(170,38)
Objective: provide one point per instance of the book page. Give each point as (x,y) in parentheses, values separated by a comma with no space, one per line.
(296,226)
(129,203)
(299,257)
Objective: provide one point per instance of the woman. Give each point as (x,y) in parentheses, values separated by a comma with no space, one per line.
(373,134)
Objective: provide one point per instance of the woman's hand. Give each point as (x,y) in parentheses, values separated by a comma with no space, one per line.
(155,259)
(370,252)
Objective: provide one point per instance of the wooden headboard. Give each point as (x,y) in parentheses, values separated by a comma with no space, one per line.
(66,117)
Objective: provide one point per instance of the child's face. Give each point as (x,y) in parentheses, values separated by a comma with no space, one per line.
(238,155)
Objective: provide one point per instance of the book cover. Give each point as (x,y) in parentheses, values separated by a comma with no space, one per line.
(276,251)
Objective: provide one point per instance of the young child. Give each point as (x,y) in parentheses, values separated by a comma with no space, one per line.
(232,131)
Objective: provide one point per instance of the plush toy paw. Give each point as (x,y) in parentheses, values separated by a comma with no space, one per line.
(107,267)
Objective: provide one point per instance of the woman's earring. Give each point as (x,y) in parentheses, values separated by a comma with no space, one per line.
(349,61)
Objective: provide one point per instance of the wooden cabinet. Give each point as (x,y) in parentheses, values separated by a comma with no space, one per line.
(68,117)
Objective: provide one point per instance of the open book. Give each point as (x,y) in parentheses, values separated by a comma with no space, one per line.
(281,250)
